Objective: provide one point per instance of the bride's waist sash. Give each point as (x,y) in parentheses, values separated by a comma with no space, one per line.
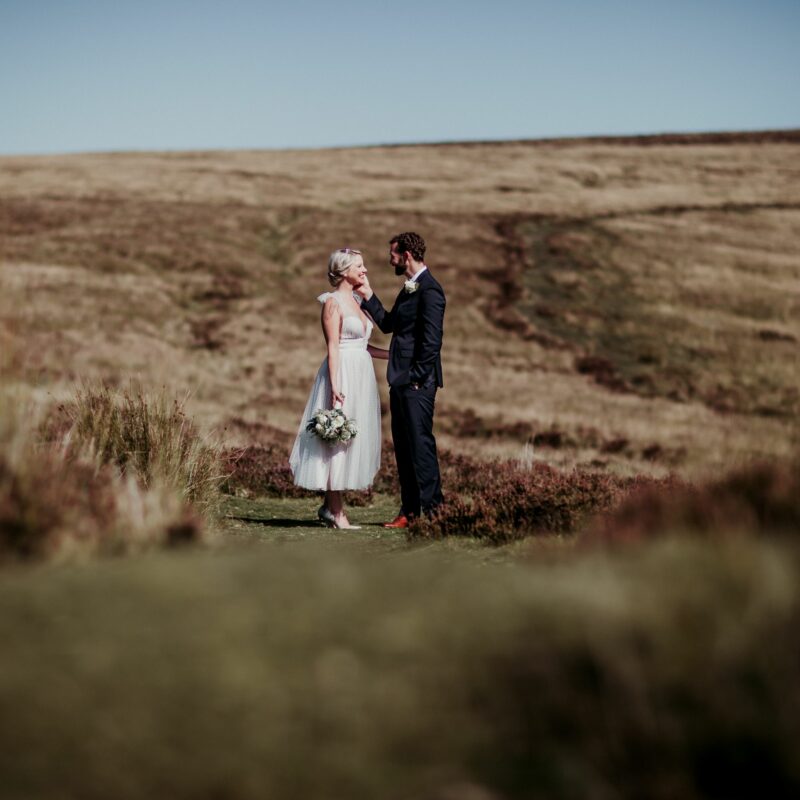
(353,344)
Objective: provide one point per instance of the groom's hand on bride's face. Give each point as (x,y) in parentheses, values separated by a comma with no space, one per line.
(365,290)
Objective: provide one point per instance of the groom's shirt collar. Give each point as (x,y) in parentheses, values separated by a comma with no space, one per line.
(415,278)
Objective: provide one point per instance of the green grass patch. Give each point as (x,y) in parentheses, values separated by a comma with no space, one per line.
(291,524)
(649,314)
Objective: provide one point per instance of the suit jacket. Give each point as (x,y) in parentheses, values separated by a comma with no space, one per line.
(416,323)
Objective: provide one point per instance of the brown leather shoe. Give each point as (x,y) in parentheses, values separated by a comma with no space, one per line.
(398,522)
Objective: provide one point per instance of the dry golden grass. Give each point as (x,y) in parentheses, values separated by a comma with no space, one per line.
(91,487)
(674,262)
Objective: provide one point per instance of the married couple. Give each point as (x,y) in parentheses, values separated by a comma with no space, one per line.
(347,379)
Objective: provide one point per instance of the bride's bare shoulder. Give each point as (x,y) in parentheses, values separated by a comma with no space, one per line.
(328,301)
(330,309)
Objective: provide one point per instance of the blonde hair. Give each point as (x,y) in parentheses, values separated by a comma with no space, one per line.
(339,262)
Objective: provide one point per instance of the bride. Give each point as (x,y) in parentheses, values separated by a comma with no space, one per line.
(352,465)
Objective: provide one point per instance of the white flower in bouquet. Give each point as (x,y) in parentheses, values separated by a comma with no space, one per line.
(332,426)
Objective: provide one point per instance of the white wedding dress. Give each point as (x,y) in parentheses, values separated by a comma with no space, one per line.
(352,465)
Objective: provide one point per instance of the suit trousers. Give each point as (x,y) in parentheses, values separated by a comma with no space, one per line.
(415,448)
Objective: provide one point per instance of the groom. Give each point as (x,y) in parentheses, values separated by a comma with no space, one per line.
(414,373)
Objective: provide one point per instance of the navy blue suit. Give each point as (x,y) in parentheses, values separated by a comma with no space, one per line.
(414,372)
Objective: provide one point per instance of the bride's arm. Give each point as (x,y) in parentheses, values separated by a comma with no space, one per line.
(378,352)
(331,325)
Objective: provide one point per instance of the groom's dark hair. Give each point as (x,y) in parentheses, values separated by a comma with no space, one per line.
(410,243)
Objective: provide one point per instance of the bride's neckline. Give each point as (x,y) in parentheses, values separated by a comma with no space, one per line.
(360,316)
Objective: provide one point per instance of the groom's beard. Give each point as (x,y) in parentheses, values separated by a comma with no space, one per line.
(400,270)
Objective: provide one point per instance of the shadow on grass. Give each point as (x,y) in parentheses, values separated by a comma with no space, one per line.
(292,523)
(277,523)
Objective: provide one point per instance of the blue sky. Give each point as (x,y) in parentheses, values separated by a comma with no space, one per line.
(87,76)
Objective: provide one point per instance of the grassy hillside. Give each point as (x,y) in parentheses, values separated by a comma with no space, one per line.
(622,308)
(626,304)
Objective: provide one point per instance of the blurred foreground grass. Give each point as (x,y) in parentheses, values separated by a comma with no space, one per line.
(665,670)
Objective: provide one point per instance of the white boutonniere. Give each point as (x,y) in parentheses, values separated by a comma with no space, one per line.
(411,286)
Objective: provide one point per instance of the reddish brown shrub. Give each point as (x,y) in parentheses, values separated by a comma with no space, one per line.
(386,481)
(259,470)
(462,474)
(553,438)
(508,502)
(33,506)
(263,470)
(653,452)
(767,335)
(616,445)
(603,372)
(467,424)
(760,499)
(105,473)
(50,505)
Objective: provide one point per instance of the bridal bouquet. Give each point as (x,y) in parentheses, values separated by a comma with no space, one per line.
(332,426)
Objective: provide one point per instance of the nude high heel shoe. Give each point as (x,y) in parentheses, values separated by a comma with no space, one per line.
(348,527)
(327,519)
